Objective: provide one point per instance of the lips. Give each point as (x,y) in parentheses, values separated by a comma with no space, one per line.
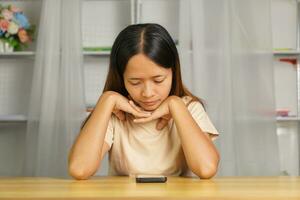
(150,103)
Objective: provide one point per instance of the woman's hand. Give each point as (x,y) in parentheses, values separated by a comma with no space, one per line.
(162,113)
(162,122)
(122,105)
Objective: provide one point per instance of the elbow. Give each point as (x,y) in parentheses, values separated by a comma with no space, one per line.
(206,173)
(78,173)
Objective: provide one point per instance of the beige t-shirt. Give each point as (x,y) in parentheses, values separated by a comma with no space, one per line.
(139,148)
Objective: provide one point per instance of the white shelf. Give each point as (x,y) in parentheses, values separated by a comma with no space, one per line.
(17,118)
(31,53)
(13,118)
(290,53)
(107,53)
(96,53)
(18,53)
(287,119)
(23,118)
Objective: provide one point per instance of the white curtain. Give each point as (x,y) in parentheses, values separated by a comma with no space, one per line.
(57,100)
(226,57)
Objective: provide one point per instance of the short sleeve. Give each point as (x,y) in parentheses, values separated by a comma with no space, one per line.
(109,136)
(200,116)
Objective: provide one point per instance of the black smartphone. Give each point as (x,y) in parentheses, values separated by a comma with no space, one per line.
(150,179)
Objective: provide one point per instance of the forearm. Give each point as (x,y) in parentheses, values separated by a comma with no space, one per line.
(85,155)
(201,155)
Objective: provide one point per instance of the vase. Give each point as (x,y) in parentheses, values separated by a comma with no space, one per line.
(5,47)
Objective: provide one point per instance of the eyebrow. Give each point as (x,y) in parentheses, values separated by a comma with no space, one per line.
(151,77)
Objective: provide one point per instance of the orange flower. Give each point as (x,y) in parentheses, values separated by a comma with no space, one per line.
(23,36)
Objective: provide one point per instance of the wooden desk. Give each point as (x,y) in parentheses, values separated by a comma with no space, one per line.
(176,188)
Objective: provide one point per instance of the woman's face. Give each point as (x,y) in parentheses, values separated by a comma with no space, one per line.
(147,83)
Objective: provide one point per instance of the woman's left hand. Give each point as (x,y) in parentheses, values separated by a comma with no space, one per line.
(162,113)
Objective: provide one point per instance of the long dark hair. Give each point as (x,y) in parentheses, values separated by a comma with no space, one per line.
(153,41)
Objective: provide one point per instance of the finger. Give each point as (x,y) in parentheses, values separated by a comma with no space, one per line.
(130,110)
(155,115)
(120,115)
(139,109)
(136,107)
(161,124)
(137,113)
(167,117)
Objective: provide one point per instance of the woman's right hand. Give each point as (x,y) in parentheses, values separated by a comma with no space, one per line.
(124,105)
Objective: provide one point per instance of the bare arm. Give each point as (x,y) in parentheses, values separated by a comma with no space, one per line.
(84,157)
(201,155)
(89,148)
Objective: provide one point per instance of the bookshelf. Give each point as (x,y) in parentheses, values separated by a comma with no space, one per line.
(110,18)
(118,14)
(101,21)
(16,69)
(286,35)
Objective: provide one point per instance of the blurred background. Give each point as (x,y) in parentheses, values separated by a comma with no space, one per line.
(241,57)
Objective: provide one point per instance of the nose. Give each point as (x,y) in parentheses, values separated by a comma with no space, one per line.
(147,91)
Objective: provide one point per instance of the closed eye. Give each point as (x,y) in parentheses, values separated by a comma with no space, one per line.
(135,83)
(159,81)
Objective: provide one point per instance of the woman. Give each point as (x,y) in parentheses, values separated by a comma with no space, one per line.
(145,118)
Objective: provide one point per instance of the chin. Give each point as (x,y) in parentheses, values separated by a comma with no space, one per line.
(150,108)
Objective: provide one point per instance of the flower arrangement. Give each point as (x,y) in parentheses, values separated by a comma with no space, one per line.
(15,28)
